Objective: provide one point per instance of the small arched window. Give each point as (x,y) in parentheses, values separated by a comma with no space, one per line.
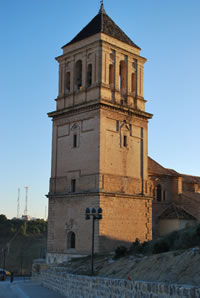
(71,240)
(78,75)
(159,193)
(164,195)
(111,76)
(122,77)
(125,143)
(89,75)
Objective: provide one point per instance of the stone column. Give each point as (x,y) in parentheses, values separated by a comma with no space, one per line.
(84,70)
(140,79)
(72,75)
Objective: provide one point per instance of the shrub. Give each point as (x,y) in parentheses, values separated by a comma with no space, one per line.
(198,230)
(160,246)
(186,240)
(120,251)
(138,247)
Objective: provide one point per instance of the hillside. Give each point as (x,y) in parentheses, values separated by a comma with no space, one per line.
(20,243)
(174,258)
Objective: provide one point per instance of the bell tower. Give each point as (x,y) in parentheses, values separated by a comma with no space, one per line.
(99,146)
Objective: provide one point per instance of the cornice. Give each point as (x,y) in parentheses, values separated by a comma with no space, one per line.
(96,104)
(99,194)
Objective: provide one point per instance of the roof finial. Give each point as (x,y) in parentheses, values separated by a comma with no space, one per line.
(102,10)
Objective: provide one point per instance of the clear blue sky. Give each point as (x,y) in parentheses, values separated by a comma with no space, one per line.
(31,35)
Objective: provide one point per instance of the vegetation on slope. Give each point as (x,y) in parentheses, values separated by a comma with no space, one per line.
(173,258)
(182,239)
(21,242)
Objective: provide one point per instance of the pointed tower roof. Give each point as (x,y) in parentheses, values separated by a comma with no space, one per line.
(102,23)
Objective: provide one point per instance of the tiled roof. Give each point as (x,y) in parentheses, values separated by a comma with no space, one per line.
(190,179)
(155,168)
(176,212)
(102,23)
(195,196)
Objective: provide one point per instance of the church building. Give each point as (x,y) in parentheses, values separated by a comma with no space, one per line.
(100,148)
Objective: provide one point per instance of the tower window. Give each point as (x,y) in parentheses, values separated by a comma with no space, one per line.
(68,81)
(71,240)
(122,78)
(117,125)
(164,195)
(159,193)
(130,127)
(78,75)
(89,75)
(75,140)
(125,141)
(73,185)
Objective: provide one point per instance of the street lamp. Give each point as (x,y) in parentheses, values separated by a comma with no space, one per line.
(95,215)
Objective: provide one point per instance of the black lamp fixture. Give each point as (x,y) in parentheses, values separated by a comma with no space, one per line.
(95,215)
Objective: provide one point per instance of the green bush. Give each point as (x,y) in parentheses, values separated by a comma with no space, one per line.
(198,231)
(160,246)
(185,240)
(120,251)
(138,247)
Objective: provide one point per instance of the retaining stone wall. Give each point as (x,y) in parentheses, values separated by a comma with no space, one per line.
(75,286)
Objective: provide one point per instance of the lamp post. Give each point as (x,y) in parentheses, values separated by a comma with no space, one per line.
(5,251)
(95,215)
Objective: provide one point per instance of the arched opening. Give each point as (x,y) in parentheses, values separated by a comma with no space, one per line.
(89,75)
(122,78)
(133,83)
(159,193)
(78,75)
(164,195)
(73,185)
(111,76)
(71,240)
(68,81)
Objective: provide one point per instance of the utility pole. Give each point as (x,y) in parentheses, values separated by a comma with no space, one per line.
(18,203)
(4,250)
(26,209)
(26,202)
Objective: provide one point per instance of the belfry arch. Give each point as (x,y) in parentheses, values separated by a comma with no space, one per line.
(78,75)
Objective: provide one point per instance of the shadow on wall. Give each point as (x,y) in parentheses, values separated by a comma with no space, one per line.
(108,244)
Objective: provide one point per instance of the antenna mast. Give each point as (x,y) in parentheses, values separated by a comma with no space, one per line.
(26,202)
(18,203)
(45,213)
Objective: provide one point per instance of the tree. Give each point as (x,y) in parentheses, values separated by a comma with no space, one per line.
(3,218)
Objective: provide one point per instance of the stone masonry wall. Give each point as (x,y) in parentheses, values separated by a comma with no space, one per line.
(75,286)
(124,220)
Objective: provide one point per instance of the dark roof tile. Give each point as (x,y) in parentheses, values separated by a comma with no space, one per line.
(156,169)
(102,23)
(176,212)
